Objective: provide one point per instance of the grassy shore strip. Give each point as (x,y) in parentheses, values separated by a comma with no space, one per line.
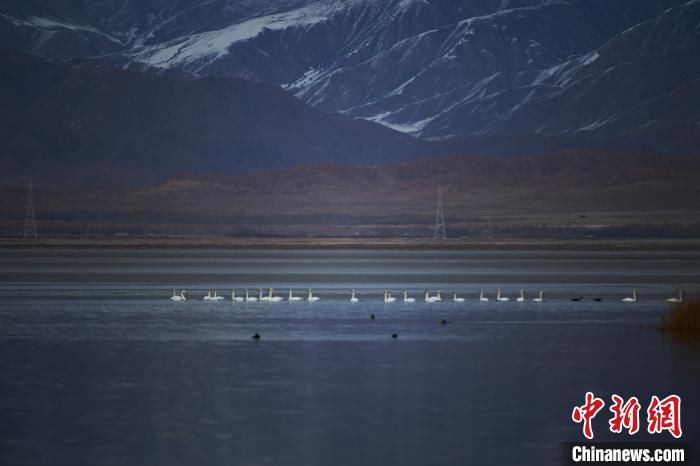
(351,243)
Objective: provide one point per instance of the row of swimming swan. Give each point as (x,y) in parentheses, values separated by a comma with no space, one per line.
(248,297)
(388,298)
(437,298)
(672,299)
(270,298)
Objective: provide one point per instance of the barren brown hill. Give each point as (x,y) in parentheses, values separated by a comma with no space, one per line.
(577,193)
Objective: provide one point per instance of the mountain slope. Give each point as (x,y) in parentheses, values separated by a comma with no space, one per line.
(512,69)
(635,92)
(79,122)
(582,73)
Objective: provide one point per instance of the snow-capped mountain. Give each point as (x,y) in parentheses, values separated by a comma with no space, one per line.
(617,73)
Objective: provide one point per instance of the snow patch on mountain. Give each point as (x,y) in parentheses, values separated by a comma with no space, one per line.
(408,3)
(598,123)
(562,74)
(212,45)
(51,25)
(411,127)
(590,58)
(309,77)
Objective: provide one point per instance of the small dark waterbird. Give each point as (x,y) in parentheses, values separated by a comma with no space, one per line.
(578,298)
(256,336)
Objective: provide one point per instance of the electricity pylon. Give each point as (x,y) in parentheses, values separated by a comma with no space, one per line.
(30,218)
(440,232)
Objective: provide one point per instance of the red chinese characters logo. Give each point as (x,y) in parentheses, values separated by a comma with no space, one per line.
(625,415)
(662,415)
(665,415)
(587,412)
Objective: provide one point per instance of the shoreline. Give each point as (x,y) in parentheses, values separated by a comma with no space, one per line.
(658,244)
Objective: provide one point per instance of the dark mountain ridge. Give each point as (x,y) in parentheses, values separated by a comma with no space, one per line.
(77,122)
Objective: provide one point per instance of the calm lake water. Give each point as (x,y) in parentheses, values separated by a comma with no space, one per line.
(99,367)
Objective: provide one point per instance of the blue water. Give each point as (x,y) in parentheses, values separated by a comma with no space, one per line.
(99,367)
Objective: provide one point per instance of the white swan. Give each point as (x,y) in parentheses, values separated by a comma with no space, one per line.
(353,298)
(294,298)
(261,297)
(521,298)
(482,298)
(678,299)
(234,297)
(180,297)
(273,299)
(406,299)
(431,299)
(388,298)
(209,296)
(633,299)
(311,298)
(499,297)
(539,299)
(248,298)
(215,297)
(439,296)
(456,299)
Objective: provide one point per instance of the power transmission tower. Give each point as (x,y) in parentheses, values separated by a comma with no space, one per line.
(30,219)
(440,232)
